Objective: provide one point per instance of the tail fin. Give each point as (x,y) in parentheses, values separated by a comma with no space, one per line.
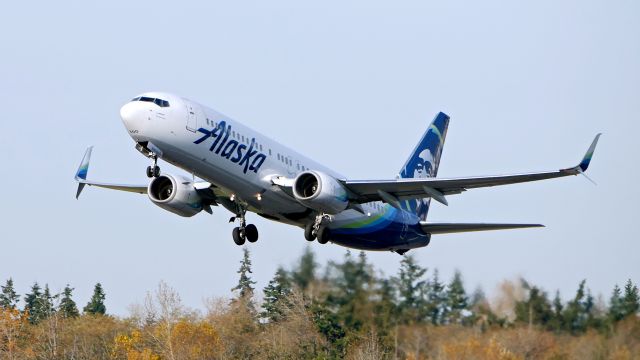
(424,161)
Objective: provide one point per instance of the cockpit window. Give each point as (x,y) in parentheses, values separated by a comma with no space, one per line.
(159,102)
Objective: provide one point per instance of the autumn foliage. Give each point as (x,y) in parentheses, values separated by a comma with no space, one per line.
(348,312)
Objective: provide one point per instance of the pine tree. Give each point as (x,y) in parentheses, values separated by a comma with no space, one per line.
(579,311)
(305,273)
(436,299)
(96,306)
(631,299)
(67,307)
(616,306)
(9,298)
(47,302)
(244,287)
(536,309)
(33,304)
(411,288)
(457,300)
(353,283)
(557,320)
(276,296)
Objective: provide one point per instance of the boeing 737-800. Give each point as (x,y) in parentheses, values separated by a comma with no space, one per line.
(245,171)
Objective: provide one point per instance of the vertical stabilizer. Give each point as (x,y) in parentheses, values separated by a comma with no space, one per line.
(424,161)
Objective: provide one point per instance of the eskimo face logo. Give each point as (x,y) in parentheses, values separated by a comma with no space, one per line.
(232,150)
(423,166)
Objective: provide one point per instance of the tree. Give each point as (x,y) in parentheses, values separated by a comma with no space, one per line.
(305,272)
(276,296)
(616,305)
(631,299)
(33,304)
(410,284)
(457,300)
(557,320)
(244,287)
(436,299)
(96,306)
(352,286)
(67,307)
(9,298)
(579,312)
(47,302)
(536,309)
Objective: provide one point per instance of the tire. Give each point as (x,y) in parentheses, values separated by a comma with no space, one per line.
(308,232)
(323,235)
(251,232)
(149,172)
(238,237)
(156,171)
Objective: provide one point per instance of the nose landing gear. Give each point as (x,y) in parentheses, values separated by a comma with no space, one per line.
(154,169)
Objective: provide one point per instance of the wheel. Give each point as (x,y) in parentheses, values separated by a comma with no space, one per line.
(323,235)
(149,172)
(238,236)
(156,171)
(308,232)
(251,232)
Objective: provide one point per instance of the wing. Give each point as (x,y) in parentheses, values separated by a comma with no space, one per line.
(392,191)
(448,228)
(83,170)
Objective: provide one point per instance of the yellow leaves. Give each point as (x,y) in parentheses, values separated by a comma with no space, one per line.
(473,348)
(186,339)
(130,347)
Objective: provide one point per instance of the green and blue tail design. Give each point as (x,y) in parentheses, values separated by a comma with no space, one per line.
(424,161)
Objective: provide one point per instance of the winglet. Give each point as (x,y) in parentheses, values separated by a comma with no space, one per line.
(83,169)
(584,164)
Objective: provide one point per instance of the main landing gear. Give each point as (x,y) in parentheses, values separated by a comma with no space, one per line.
(153,170)
(318,229)
(244,231)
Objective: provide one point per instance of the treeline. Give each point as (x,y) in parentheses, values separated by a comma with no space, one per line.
(345,309)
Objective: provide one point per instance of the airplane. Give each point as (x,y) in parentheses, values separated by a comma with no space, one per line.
(247,172)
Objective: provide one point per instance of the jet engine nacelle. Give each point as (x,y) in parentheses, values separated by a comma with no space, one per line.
(176,194)
(320,192)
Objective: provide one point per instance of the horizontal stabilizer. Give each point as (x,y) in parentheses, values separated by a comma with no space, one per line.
(448,228)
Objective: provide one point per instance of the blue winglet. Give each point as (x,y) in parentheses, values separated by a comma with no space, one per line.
(83,169)
(584,164)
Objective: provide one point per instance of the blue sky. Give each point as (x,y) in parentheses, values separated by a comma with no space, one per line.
(351,84)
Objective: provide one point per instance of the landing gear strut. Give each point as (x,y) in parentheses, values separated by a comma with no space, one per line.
(154,169)
(244,231)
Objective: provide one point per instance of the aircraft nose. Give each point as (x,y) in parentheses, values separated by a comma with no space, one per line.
(128,114)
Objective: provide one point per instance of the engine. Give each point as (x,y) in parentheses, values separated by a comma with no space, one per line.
(176,194)
(320,192)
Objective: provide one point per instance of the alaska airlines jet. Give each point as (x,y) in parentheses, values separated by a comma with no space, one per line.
(245,171)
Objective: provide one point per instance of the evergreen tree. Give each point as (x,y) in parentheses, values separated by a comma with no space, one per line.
(33,304)
(557,320)
(457,300)
(411,288)
(353,284)
(579,311)
(96,306)
(631,300)
(67,306)
(245,284)
(47,302)
(385,309)
(436,296)
(276,296)
(305,272)
(616,306)
(8,297)
(536,309)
